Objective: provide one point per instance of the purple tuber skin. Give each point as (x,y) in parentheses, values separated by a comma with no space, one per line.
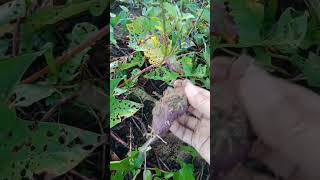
(170,107)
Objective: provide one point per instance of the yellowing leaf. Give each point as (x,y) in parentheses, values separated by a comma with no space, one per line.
(154,51)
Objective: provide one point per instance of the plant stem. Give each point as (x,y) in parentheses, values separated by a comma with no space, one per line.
(164,29)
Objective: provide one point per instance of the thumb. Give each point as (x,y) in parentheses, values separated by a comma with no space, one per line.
(198,98)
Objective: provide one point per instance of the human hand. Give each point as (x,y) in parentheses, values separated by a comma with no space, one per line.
(194,129)
(283,115)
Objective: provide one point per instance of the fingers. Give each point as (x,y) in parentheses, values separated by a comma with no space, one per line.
(184,128)
(198,98)
(221,68)
(182,83)
(196,113)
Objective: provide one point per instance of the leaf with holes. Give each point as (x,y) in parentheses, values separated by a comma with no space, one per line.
(11,70)
(120,108)
(27,94)
(28,149)
(12,10)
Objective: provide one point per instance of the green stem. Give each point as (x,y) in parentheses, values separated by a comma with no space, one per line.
(164,29)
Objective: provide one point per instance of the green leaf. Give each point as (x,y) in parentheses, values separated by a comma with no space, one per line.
(200,71)
(11,71)
(112,36)
(137,60)
(27,94)
(99,8)
(262,56)
(50,59)
(190,150)
(186,172)
(248,16)
(168,175)
(147,175)
(120,108)
(28,148)
(4,45)
(270,13)
(128,164)
(55,14)
(134,73)
(172,9)
(312,36)
(142,94)
(80,33)
(163,74)
(12,10)
(310,67)
(187,64)
(290,31)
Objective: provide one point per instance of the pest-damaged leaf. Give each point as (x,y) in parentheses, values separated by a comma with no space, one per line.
(28,148)
(12,10)
(27,94)
(120,108)
(11,71)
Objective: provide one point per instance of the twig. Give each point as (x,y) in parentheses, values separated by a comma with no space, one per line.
(119,140)
(149,68)
(103,173)
(230,52)
(78,175)
(68,55)
(279,56)
(16,39)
